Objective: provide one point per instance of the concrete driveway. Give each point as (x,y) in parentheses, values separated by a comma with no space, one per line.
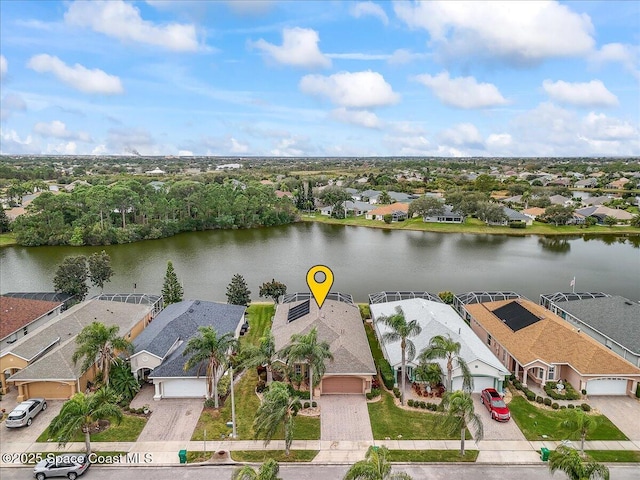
(172,419)
(494,430)
(624,412)
(344,417)
(31,433)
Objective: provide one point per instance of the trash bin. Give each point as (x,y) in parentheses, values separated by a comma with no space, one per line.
(183,456)
(544,454)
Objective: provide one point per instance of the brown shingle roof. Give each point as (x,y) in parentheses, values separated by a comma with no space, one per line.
(389,209)
(551,339)
(15,313)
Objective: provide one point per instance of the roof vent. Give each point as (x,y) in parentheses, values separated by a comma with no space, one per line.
(628,303)
(197,302)
(191,310)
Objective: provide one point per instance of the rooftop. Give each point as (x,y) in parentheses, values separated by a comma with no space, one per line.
(16,313)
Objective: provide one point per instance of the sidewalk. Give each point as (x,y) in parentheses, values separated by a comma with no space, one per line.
(166,453)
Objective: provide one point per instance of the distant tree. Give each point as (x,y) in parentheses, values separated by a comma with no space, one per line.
(99,344)
(557,214)
(278,408)
(635,221)
(490,212)
(446,297)
(459,414)
(71,277)
(610,221)
(268,471)
(375,466)
(426,207)
(568,460)
(465,203)
(172,291)
(5,224)
(238,292)
(385,198)
(387,218)
(100,270)
(485,183)
(273,290)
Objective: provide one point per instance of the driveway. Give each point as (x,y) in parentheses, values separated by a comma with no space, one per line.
(31,433)
(494,430)
(624,412)
(344,417)
(172,419)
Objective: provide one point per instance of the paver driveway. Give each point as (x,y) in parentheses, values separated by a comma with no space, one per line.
(624,412)
(494,430)
(344,417)
(31,433)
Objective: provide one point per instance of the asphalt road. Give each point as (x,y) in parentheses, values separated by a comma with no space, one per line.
(321,472)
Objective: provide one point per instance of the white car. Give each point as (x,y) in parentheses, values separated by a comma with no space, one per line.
(70,466)
(24,413)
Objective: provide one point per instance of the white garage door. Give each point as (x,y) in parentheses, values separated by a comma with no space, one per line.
(184,388)
(479,383)
(607,386)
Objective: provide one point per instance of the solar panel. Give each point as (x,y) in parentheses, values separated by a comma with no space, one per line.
(298,311)
(515,316)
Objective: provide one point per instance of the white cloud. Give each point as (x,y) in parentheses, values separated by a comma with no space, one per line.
(591,94)
(12,102)
(402,56)
(290,147)
(128,141)
(462,92)
(12,143)
(518,32)
(352,90)
(78,76)
(462,135)
(58,129)
(185,153)
(361,9)
(121,20)
(626,55)
(363,118)
(3,66)
(68,148)
(238,147)
(601,127)
(499,140)
(299,48)
(409,145)
(358,56)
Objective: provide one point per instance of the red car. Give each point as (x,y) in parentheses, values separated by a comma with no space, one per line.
(491,399)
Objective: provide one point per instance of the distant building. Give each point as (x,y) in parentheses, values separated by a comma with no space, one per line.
(155,171)
(229,166)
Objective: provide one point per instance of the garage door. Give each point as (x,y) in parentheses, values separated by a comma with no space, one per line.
(607,386)
(184,388)
(49,390)
(342,385)
(479,383)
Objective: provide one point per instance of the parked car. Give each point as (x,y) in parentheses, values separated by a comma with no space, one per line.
(24,413)
(70,466)
(495,404)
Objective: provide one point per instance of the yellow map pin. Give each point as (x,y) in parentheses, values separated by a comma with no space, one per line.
(320,290)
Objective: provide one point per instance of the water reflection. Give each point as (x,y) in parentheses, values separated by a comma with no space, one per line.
(555,244)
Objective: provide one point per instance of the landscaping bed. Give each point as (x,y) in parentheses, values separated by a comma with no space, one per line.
(277,455)
(432,456)
(128,431)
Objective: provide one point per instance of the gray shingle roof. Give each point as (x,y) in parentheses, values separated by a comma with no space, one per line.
(514,215)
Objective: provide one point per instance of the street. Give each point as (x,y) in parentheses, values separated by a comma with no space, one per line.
(330,472)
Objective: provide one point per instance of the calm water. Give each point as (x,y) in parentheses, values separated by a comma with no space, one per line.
(363,260)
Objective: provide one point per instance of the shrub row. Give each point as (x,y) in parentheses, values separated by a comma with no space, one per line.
(309,404)
(569,393)
(386,372)
(375,392)
(424,405)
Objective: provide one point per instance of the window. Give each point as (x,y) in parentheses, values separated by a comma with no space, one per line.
(297,369)
(488,339)
(540,373)
(551,375)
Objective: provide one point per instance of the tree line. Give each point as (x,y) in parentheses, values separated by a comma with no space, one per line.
(128,211)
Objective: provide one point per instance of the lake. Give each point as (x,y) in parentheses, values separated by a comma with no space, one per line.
(363,260)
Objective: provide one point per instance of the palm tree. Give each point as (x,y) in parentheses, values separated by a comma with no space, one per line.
(81,412)
(375,466)
(262,355)
(569,461)
(448,349)
(581,423)
(278,408)
(211,351)
(459,413)
(430,373)
(98,343)
(401,330)
(268,471)
(307,348)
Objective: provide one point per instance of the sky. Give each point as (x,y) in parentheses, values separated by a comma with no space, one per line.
(320,78)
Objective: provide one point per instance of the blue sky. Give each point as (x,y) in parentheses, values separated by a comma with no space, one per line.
(320,78)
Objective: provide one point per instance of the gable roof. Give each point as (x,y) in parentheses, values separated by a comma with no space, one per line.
(435,318)
(550,339)
(514,215)
(389,209)
(16,313)
(179,322)
(339,324)
(602,211)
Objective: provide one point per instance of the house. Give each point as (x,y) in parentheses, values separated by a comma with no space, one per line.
(596,201)
(158,349)
(155,171)
(370,196)
(21,315)
(601,212)
(513,216)
(398,212)
(339,324)
(229,166)
(586,183)
(538,346)
(281,194)
(560,200)
(438,318)
(534,212)
(447,216)
(612,320)
(356,207)
(515,199)
(40,364)
(618,184)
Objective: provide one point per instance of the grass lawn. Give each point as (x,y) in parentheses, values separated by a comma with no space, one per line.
(7,239)
(376,351)
(535,422)
(388,420)
(247,402)
(612,456)
(128,431)
(278,455)
(429,456)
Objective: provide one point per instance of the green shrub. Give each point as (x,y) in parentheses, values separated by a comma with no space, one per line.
(563,407)
(314,404)
(555,406)
(375,392)
(638,391)
(387,218)
(539,399)
(530,395)
(547,402)
(209,403)
(365,311)
(432,406)
(571,405)
(584,391)
(261,386)
(586,407)
(517,384)
(423,404)
(386,372)
(307,404)
(517,224)
(396,392)
(410,402)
